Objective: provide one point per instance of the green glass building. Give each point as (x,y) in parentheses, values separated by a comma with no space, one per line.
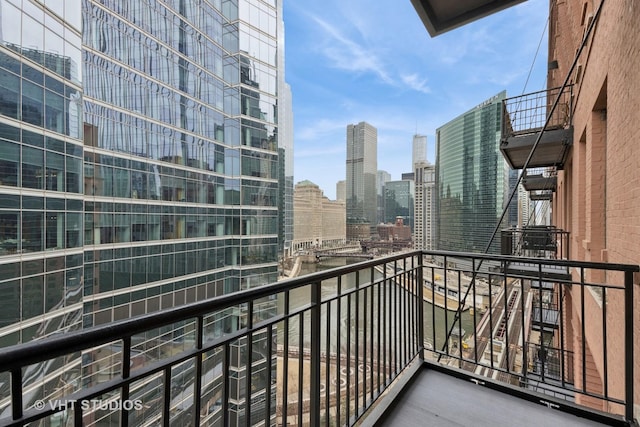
(471,179)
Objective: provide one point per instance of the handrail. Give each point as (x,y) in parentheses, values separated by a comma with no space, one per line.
(384,310)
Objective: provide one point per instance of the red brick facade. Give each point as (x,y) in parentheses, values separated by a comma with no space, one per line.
(598,195)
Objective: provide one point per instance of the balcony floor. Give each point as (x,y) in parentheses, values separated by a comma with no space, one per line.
(437,399)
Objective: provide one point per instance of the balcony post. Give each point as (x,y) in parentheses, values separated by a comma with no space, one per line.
(420,307)
(628,344)
(314,392)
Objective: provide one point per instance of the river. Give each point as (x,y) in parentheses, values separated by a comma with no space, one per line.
(301,297)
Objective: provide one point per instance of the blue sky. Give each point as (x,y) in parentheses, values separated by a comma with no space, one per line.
(349,61)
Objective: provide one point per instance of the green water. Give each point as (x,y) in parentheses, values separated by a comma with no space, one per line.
(301,297)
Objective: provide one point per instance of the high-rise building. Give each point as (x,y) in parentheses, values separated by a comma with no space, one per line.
(419,152)
(382,178)
(285,144)
(177,198)
(42,280)
(512,215)
(471,177)
(398,202)
(341,190)
(423,228)
(362,167)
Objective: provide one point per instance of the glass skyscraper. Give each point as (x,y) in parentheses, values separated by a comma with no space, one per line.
(471,179)
(139,165)
(398,201)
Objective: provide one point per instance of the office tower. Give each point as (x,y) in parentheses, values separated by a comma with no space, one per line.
(425,181)
(341,190)
(362,167)
(41,185)
(285,144)
(513,207)
(398,202)
(382,177)
(471,179)
(419,152)
(178,197)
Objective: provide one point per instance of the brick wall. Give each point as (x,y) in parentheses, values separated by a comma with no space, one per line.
(598,198)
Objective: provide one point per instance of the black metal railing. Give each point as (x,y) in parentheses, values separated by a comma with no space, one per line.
(321,349)
(527,113)
(536,241)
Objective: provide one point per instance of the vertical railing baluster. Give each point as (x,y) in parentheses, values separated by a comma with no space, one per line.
(434,343)
(314,392)
(197,392)
(269,361)
(77,414)
(562,349)
(373,327)
(226,369)
(285,361)
(523,332)
(605,364)
(126,372)
(490,328)
(542,351)
(249,364)
(583,329)
(379,330)
(166,401)
(16,393)
(338,349)
(327,365)
(629,342)
(475,321)
(357,346)
(461,303)
(300,367)
(420,307)
(507,313)
(348,391)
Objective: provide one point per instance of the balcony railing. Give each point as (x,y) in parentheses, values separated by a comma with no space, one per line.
(536,241)
(524,117)
(323,348)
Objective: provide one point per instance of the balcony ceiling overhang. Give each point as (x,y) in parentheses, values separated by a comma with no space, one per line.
(440,16)
(539,183)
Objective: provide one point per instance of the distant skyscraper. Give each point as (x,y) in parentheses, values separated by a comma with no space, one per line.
(425,181)
(472,178)
(419,152)
(381,179)
(513,207)
(398,197)
(362,168)
(341,190)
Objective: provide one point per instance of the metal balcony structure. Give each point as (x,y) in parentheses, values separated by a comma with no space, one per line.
(543,241)
(540,183)
(523,119)
(373,343)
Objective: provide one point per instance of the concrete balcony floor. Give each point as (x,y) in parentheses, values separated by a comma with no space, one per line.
(437,399)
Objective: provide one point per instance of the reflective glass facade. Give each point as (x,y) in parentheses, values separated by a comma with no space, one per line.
(139,161)
(41,183)
(398,202)
(471,179)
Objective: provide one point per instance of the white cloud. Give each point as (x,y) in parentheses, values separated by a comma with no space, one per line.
(413,81)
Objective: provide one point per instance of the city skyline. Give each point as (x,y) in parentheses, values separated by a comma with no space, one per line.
(335,50)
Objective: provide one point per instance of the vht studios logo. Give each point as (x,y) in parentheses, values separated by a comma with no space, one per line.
(89,405)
